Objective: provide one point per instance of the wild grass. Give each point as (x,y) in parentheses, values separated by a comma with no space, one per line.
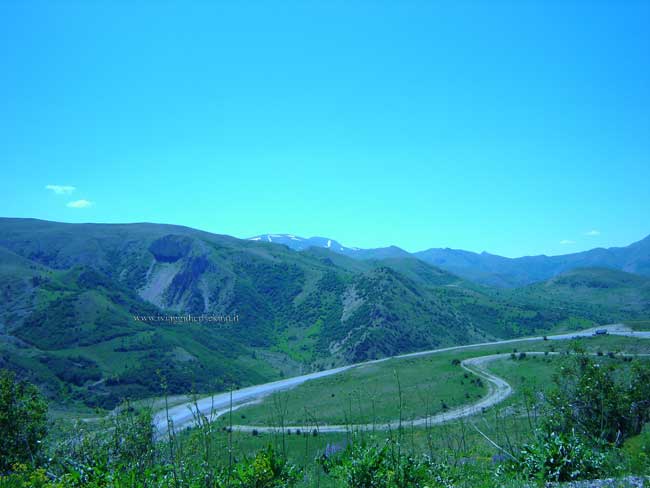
(469,452)
(370,394)
(638,324)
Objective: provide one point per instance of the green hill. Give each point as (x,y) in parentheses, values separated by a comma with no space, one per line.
(608,293)
(84,304)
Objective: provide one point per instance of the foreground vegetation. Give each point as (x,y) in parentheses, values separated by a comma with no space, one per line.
(573,416)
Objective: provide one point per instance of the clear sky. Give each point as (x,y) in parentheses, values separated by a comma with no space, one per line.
(515,127)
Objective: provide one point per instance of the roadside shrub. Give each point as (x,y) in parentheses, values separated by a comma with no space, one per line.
(605,402)
(23,421)
(556,456)
(267,469)
(363,465)
(122,448)
(132,442)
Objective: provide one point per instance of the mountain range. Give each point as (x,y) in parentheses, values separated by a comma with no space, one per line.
(491,269)
(85,307)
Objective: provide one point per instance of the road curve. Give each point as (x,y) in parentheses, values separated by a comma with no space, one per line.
(184,415)
(498,390)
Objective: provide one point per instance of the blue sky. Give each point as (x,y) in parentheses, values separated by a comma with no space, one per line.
(514,127)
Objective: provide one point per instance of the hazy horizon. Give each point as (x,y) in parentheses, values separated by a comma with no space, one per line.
(333,237)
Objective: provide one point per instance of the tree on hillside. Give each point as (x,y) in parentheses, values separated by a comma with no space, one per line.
(23,418)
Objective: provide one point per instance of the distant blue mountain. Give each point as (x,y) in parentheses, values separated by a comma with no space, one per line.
(486,268)
(496,270)
(298,243)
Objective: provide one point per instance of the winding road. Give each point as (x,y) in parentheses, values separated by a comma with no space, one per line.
(185,415)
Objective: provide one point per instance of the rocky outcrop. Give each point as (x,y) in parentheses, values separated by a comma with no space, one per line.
(171,248)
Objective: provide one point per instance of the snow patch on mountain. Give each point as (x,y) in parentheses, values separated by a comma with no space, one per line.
(301,243)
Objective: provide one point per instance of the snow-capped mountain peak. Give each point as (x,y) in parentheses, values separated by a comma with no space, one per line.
(300,243)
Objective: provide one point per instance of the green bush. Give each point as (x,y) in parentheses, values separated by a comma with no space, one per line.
(266,470)
(23,421)
(23,476)
(559,457)
(604,401)
(121,448)
(363,465)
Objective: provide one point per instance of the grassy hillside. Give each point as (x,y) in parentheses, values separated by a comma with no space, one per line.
(591,292)
(72,295)
(370,394)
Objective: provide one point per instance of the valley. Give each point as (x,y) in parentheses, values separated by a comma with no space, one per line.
(72,293)
(330,350)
